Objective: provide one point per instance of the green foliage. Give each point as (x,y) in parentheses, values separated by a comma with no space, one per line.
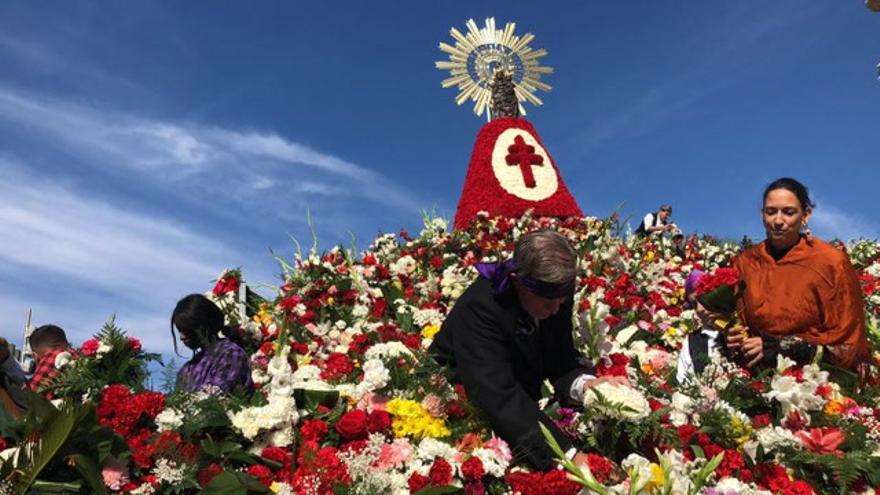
(122,364)
(169,376)
(832,474)
(233,483)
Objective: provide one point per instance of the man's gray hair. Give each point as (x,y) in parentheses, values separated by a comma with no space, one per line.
(545,255)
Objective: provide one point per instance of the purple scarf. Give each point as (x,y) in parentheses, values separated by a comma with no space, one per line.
(690,285)
(499,274)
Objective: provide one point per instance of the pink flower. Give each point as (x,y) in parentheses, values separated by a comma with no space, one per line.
(822,440)
(115,473)
(435,406)
(371,402)
(500,448)
(395,454)
(89,347)
(134,344)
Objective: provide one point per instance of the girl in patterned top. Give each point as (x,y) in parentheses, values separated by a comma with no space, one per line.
(219,365)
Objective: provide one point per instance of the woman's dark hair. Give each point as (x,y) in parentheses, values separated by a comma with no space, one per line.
(196,315)
(799,190)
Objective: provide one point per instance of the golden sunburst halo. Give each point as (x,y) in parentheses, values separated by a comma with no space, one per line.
(478,54)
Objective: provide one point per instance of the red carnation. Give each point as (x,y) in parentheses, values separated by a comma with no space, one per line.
(313,430)
(556,482)
(378,308)
(440,473)
(205,475)
(134,344)
(600,467)
(761,420)
(472,469)
(416,482)
(378,421)
(353,425)
(277,454)
(261,473)
(336,366)
(89,347)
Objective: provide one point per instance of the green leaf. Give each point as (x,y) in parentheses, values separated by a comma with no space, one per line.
(90,472)
(438,490)
(311,399)
(227,483)
(36,455)
(56,487)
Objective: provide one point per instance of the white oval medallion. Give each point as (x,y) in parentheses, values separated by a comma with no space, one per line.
(522,166)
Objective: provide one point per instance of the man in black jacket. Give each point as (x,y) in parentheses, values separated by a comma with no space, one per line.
(511,330)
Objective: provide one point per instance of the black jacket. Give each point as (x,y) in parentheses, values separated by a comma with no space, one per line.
(502,364)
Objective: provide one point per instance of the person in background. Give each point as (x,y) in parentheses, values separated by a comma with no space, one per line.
(219,365)
(802,297)
(47,343)
(12,381)
(697,349)
(656,222)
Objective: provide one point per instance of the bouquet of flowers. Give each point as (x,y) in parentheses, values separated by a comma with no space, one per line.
(718,292)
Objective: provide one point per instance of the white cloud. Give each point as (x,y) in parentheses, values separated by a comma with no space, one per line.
(830,222)
(77,260)
(219,163)
(47,227)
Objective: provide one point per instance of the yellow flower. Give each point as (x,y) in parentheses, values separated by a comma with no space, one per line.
(329,301)
(658,477)
(738,430)
(834,408)
(671,332)
(649,256)
(409,418)
(429,331)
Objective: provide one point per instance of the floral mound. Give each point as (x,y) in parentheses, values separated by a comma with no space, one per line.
(349,402)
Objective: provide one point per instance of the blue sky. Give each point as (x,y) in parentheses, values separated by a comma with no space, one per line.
(145,146)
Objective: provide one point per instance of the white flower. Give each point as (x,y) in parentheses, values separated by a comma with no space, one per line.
(309,378)
(168,472)
(792,395)
(169,419)
(376,376)
(63,359)
(430,448)
(103,348)
(641,468)
(281,488)
(733,486)
(635,406)
(387,350)
(279,414)
(144,489)
(404,266)
(682,406)
(775,437)
(492,462)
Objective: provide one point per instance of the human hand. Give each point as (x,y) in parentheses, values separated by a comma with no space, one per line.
(736,335)
(613,380)
(580,459)
(4,349)
(753,350)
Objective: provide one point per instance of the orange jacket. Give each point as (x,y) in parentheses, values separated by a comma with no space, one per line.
(812,293)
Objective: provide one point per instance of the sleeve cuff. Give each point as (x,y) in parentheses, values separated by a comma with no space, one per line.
(576,393)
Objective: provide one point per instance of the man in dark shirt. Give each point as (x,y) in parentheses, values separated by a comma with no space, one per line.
(511,330)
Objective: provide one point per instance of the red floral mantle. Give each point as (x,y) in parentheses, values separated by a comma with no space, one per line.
(511,172)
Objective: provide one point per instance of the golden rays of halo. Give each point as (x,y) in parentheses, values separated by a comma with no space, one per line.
(479,53)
